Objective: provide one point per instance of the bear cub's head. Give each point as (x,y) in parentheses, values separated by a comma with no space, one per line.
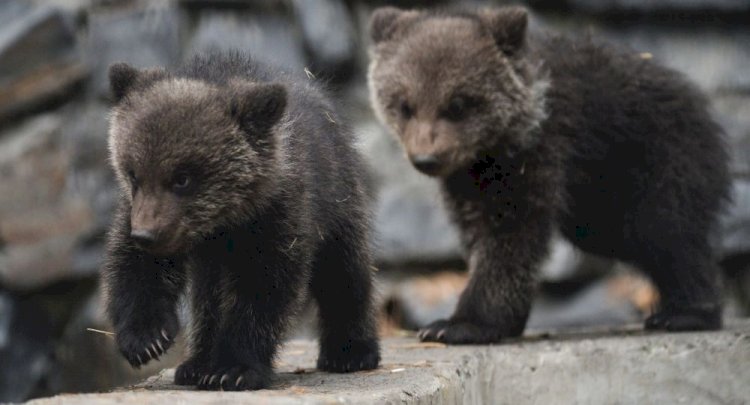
(191,156)
(455,87)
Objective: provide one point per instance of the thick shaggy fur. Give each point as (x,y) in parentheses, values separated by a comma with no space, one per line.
(239,187)
(532,133)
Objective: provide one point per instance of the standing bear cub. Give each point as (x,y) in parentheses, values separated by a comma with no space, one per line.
(529,134)
(238,187)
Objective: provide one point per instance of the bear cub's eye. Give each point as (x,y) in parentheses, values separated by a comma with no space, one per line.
(182,183)
(406,110)
(457,108)
(132,178)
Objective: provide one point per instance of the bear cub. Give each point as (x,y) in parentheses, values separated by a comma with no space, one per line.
(531,134)
(237,187)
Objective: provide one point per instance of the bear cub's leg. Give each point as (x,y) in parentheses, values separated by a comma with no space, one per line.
(205,305)
(142,293)
(251,321)
(497,300)
(688,286)
(341,285)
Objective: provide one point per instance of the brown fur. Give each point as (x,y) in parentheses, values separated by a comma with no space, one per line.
(238,188)
(529,133)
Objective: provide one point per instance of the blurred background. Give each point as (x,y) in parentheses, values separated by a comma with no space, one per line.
(57,192)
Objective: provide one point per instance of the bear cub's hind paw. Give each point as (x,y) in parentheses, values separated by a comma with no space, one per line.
(676,319)
(349,357)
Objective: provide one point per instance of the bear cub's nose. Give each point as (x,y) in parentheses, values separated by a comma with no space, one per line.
(428,164)
(143,237)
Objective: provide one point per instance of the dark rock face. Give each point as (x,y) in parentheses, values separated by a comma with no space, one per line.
(265,35)
(57,193)
(328,35)
(143,38)
(39,59)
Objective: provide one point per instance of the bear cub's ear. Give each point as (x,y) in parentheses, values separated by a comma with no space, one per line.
(257,107)
(385,21)
(123,78)
(508,26)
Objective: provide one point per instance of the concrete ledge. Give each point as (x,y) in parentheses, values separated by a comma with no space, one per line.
(628,366)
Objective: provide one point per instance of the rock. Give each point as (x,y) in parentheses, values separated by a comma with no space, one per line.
(735,240)
(143,38)
(582,367)
(84,138)
(25,347)
(651,6)
(566,263)
(411,224)
(265,35)
(233,4)
(615,300)
(39,61)
(43,217)
(723,54)
(414,302)
(329,36)
(721,50)
(733,113)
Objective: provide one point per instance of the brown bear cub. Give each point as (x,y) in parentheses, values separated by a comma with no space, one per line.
(238,187)
(529,134)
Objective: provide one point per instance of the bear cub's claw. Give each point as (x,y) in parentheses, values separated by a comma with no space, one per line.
(460,332)
(189,372)
(139,345)
(349,357)
(235,378)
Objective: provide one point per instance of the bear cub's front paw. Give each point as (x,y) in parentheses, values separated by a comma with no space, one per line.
(236,378)
(140,342)
(350,356)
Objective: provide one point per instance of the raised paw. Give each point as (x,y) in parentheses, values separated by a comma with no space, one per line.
(189,372)
(140,349)
(676,319)
(140,343)
(460,332)
(236,378)
(349,357)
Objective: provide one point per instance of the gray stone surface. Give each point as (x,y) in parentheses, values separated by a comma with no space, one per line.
(144,38)
(410,222)
(585,368)
(328,34)
(39,58)
(265,35)
(736,223)
(650,6)
(56,197)
(722,54)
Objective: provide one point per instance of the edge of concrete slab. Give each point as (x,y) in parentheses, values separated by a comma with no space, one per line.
(627,366)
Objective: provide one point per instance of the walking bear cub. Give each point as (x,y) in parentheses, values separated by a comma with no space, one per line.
(238,186)
(532,133)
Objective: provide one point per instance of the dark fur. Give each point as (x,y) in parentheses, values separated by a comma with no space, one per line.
(277,208)
(618,153)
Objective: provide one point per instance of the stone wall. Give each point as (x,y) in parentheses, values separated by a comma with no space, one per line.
(57,193)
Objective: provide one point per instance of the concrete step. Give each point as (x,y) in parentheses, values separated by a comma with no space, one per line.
(585,367)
